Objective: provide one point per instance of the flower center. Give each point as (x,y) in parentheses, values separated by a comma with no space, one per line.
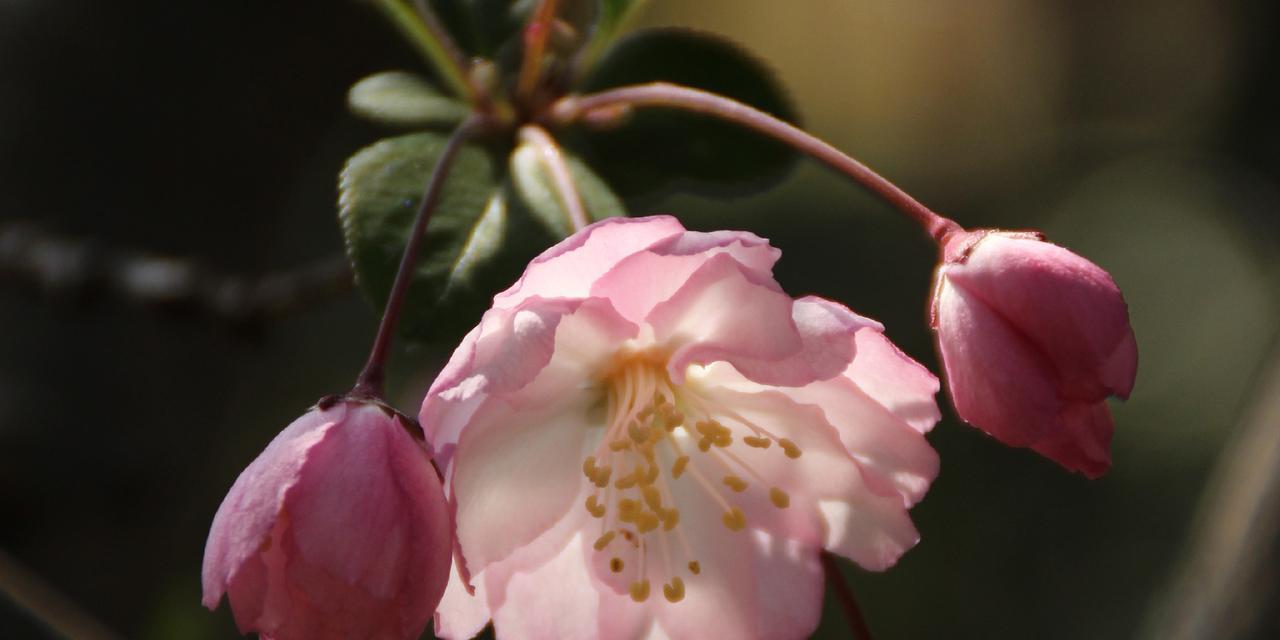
(657,435)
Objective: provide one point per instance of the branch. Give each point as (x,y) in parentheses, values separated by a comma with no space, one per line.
(80,270)
(672,96)
(852,612)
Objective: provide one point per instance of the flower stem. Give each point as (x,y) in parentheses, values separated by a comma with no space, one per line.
(662,94)
(558,170)
(369,384)
(852,613)
(426,34)
(535,43)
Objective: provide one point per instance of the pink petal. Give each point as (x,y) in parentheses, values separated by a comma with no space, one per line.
(529,354)
(504,449)
(559,600)
(894,380)
(461,615)
(824,482)
(725,312)
(789,599)
(1084,443)
(568,269)
(1068,307)
(640,281)
(248,514)
(998,381)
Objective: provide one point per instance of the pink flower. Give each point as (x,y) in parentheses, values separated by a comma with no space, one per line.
(1034,339)
(339,529)
(645,437)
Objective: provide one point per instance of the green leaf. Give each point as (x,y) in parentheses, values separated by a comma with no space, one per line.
(401,99)
(482,27)
(536,190)
(660,149)
(475,245)
(612,16)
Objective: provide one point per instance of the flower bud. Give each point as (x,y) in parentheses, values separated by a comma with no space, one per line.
(1033,339)
(339,529)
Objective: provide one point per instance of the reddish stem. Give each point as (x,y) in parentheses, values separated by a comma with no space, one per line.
(852,613)
(369,384)
(661,94)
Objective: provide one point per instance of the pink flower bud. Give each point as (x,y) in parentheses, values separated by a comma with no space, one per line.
(339,529)
(1034,339)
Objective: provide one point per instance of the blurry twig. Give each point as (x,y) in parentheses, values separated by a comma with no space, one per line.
(79,269)
(1228,578)
(45,604)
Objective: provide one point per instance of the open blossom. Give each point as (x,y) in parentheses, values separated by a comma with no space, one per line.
(1034,339)
(339,529)
(645,437)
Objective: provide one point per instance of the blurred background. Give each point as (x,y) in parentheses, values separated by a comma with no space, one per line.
(1142,134)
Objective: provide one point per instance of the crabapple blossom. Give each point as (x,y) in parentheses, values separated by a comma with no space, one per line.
(645,437)
(1034,339)
(339,529)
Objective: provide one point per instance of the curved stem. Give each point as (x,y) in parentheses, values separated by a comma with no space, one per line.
(369,384)
(661,94)
(535,43)
(558,170)
(426,34)
(852,613)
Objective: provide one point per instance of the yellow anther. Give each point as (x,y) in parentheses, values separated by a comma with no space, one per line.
(615,565)
(670,518)
(757,442)
(638,434)
(779,498)
(619,445)
(645,413)
(694,567)
(674,591)
(602,476)
(674,420)
(678,467)
(735,483)
(704,444)
(722,440)
(659,400)
(734,519)
(705,428)
(789,448)
(589,467)
(640,590)
(628,510)
(604,540)
(627,481)
(595,508)
(652,497)
(646,521)
(651,474)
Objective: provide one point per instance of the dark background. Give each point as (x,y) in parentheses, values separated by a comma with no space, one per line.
(1141,133)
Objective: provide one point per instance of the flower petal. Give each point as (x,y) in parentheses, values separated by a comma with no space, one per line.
(247,515)
(1084,444)
(461,614)
(540,351)
(568,269)
(727,312)
(824,482)
(640,281)
(997,380)
(1068,307)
